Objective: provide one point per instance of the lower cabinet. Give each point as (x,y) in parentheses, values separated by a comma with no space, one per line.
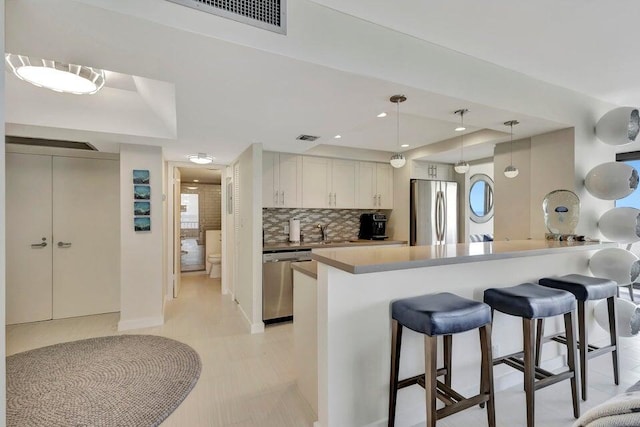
(63,237)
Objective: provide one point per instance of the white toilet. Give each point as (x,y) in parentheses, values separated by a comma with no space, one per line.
(215,270)
(214,248)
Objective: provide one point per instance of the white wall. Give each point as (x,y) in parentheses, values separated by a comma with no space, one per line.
(551,169)
(248,281)
(546,163)
(512,196)
(141,253)
(3,383)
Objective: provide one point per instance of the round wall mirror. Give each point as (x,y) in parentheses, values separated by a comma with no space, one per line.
(481,198)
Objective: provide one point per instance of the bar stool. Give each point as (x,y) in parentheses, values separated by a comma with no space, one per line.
(531,301)
(433,315)
(584,288)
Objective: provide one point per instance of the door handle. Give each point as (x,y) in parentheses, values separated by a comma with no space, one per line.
(64,244)
(39,245)
(282,197)
(275,197)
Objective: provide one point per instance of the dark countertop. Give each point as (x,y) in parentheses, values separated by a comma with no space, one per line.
(286,246)
(309,268)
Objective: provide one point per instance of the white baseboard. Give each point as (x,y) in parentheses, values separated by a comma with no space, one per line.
(317,424)
(255,328)
(144,322)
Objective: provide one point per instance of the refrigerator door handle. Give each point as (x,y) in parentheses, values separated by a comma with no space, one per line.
(443,232)
(439,216)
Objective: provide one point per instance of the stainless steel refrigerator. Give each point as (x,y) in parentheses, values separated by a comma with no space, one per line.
(434,212)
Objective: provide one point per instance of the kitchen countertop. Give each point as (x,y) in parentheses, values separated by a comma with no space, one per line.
(275,247)
(309,268)
(372,260)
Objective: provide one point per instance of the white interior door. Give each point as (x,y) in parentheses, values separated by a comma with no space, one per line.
(86,237)
(177,241)
(29,242)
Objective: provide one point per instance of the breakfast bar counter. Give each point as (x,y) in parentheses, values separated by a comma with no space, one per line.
(355,287)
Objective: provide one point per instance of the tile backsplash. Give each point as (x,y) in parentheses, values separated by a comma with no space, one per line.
(342,224)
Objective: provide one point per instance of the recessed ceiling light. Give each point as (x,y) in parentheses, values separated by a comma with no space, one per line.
(337,137)
(68,78)
(404,145)
(201,158)
(460,128)
(196,180)
(383,114)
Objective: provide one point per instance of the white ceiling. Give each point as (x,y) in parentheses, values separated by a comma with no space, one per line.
(228,96)
(592,44)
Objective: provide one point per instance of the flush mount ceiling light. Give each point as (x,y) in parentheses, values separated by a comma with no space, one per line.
(511,171)
(397,160)
(59,77)
(201,158)
(461,166)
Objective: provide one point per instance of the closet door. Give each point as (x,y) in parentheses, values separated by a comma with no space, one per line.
(86,236)
(29,244)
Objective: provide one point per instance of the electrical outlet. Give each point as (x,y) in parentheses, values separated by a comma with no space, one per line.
(286,229)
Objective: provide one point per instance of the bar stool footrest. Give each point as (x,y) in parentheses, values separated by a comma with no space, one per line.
(419,379)
(592,350)
(544,378)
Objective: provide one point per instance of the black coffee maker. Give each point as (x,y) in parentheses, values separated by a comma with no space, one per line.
(373,226)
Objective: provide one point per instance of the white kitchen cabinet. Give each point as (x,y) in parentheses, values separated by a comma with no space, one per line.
(434,171)
(328,183)
(281,180)
(375,186)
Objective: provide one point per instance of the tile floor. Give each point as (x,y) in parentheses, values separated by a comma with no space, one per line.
(248,380)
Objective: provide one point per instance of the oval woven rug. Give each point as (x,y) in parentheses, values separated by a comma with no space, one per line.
(125,380)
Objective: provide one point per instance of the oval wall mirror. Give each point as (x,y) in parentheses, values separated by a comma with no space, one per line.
(481,198)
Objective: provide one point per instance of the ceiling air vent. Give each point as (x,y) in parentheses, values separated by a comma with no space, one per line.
(54,143)
(309,138)
(266,14)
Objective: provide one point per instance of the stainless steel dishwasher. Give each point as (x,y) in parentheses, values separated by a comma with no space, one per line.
(277,284)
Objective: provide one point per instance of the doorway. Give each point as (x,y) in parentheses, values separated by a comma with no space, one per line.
(200,219)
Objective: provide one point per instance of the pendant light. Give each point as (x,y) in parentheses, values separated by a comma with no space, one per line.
(511,171)
(461,166)
(398,160)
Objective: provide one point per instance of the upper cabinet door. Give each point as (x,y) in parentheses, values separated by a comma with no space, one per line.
(290,179)
(316,182)
(384,185)
(366,195)
(343,179)
(270,193)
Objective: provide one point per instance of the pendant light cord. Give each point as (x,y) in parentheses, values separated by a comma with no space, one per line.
(511,145)
(462,135)
(398,125)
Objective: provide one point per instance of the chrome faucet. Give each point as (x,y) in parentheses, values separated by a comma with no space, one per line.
(323,231)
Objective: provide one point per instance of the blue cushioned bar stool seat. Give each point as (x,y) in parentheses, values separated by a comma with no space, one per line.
(584,288)
(434,315)
(530,302)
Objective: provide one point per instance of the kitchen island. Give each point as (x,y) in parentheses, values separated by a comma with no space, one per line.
(356,286)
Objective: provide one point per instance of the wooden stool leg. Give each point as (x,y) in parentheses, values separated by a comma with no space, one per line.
(613,331)
(447,339)
(486,373)
(396,342)
(529,372)
(430,358)
(631,292)
(539,336)
(569,327)
(584,347)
